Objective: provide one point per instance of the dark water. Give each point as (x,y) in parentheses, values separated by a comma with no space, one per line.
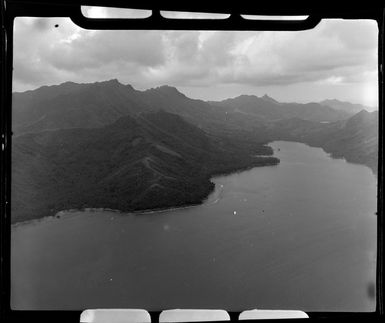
(300,235)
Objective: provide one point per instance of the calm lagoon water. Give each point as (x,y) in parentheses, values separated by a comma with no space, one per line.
(299,235)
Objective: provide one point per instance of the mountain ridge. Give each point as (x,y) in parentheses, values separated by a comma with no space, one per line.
(106,144)
(156,160)
(72,105)
(345,105)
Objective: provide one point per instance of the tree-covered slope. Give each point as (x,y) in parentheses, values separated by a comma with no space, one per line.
(155,160)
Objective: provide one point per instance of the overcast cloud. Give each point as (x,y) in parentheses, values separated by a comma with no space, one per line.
(338,59)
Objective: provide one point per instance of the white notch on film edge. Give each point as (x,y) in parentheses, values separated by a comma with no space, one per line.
(193,315)
(115,316)
(182,315)
(271,314)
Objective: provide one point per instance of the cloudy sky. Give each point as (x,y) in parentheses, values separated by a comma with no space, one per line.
(337,59)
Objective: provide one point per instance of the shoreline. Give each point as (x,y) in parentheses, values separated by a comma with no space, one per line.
(68,212)
(204,201)
(57,215)
(65,213)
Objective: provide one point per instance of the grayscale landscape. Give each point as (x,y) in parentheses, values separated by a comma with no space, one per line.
(107,145)
(194,170)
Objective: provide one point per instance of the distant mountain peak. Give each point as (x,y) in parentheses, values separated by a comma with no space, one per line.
(247,97)
(130,87)
(64,83)
(167,89)
(110,82)
(346,106)
(362,114)
(53,86)
(360,118)
(269,99)
(332,101)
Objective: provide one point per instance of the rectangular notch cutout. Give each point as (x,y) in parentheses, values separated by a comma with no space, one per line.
(116,13)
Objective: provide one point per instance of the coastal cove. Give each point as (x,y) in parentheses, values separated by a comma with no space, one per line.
(256,242)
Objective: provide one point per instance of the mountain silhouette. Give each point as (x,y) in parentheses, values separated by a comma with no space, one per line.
(154,160)
(108,145)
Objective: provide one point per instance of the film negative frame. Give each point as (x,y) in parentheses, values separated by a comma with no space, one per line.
(72,8)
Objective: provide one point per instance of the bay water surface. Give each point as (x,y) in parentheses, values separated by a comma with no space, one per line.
(299,235)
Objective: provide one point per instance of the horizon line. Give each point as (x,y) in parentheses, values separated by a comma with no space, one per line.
(372,108)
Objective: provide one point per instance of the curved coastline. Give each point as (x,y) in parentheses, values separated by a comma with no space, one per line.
(269,210)
(272,161)
(262,162)
(66,213)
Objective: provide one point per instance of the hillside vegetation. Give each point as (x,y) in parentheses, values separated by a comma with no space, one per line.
(108,145)
(156,160)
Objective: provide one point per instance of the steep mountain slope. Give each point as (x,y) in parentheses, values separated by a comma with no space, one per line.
(152,161)
(72,105)
(107,145)
(268,109)
(252,106)
(344,106)
(355,139)
(269,99)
